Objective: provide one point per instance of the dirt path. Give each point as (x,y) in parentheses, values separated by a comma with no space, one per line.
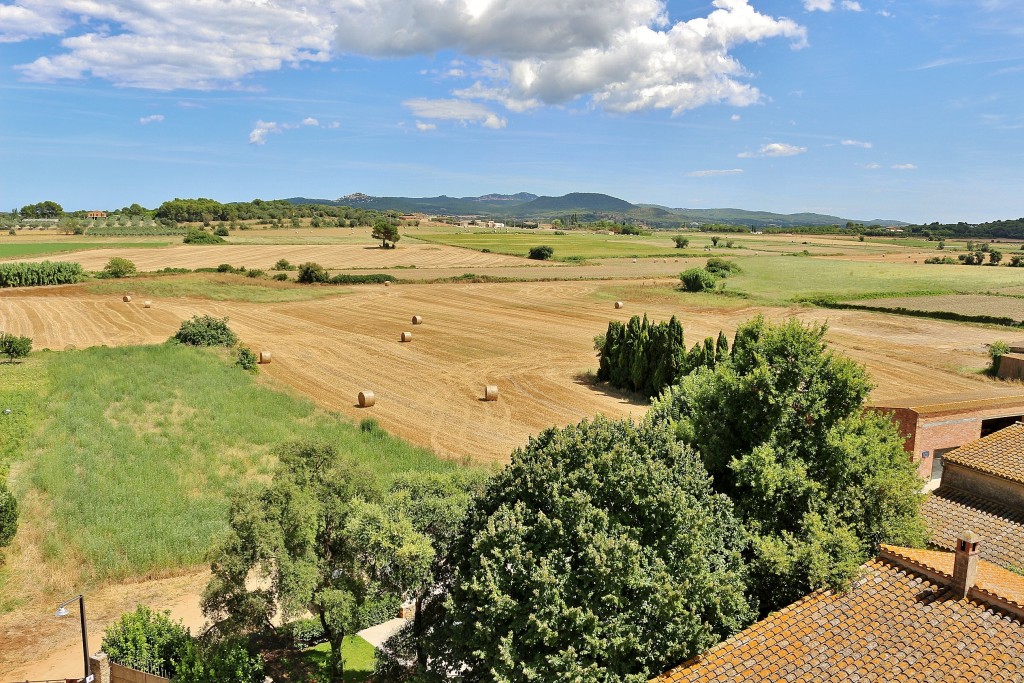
(36,645)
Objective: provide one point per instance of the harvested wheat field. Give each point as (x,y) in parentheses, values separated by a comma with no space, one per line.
(330,256)
(961,304)
(533,340)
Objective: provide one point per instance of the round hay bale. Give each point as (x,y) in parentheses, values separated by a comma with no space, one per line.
(491,392)
(126,298)
(634,260)
(619,304)
(366,399)
(264,357)
(387,283)
(417,320)
(147,304)
(407,336)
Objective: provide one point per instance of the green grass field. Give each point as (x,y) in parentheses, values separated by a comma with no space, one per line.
(216,287)
(783,280)
(23,249)
(138,448)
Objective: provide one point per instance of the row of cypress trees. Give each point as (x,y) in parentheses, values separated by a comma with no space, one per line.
(646,357)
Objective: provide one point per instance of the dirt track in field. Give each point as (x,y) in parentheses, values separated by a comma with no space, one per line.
(532,339)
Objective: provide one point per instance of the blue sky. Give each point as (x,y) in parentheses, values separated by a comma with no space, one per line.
(911,110)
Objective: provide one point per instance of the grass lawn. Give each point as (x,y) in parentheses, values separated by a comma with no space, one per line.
(29,249)
(215,286)
(139,448)
(358,654)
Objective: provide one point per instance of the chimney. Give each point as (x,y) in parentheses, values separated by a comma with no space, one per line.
(965,563)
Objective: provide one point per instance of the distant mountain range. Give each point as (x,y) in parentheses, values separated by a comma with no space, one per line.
(588,206)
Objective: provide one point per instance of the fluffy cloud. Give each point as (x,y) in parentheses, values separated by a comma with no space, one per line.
(155,118)
(624,55)
(774,149)
(829,5)
(712,173)
(425,126)
(261,129)
(618,55)
(455,110)
(857,143)
(904,167)
(174,44)
(258,135)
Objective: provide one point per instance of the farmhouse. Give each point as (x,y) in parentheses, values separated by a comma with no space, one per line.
(96,214)
(983,489)
(913,615)
(935,425)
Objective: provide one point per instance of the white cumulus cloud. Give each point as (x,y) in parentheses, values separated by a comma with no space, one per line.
(774,149)
(624,55)
(904,167)
(852,6)
(425,126)
(617,55)
(310,121)
(258,135)
(711,173)
(455,110)
(155,118)
(175,44)
(857,143)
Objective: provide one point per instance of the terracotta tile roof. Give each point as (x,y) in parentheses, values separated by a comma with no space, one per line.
(954,403)
(950,512)
(1000,453)
(894,624)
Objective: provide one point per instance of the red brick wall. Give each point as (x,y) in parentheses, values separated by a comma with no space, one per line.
(939,433)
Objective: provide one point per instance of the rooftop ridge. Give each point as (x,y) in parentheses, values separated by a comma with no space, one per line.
(1000,454)
(996,588)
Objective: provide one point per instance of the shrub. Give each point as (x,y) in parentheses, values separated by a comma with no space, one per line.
(283,264)
(559,232)
(221,231)
(12,231)
(119,267)
(996,351)
(721,267)
(369,425)
(306,632)
(8,515)
(281,277)
(944,260)
(697,280)
(196,236)
(13,346)
(485,251)
(205,330)
(370,278)
(224,661)
(43,273)
(681,242)
(255,272)
(225,268)
(310,273)
(146,640)
(246,359)
(541,253)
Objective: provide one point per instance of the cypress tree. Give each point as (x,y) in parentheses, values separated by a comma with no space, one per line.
(640,366)
(709,352)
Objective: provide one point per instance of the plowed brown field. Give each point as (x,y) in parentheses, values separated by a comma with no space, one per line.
(531,339)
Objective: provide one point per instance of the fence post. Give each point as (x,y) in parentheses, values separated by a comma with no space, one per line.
(100,665)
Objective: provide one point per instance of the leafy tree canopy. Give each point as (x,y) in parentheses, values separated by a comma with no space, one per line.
(600,553)
(818,481)
(385,232)
(327,540)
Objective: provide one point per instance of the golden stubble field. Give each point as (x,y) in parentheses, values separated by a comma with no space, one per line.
(532,339)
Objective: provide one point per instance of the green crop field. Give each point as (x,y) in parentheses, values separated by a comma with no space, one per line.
(10,250)
(781,280)
(137,450)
